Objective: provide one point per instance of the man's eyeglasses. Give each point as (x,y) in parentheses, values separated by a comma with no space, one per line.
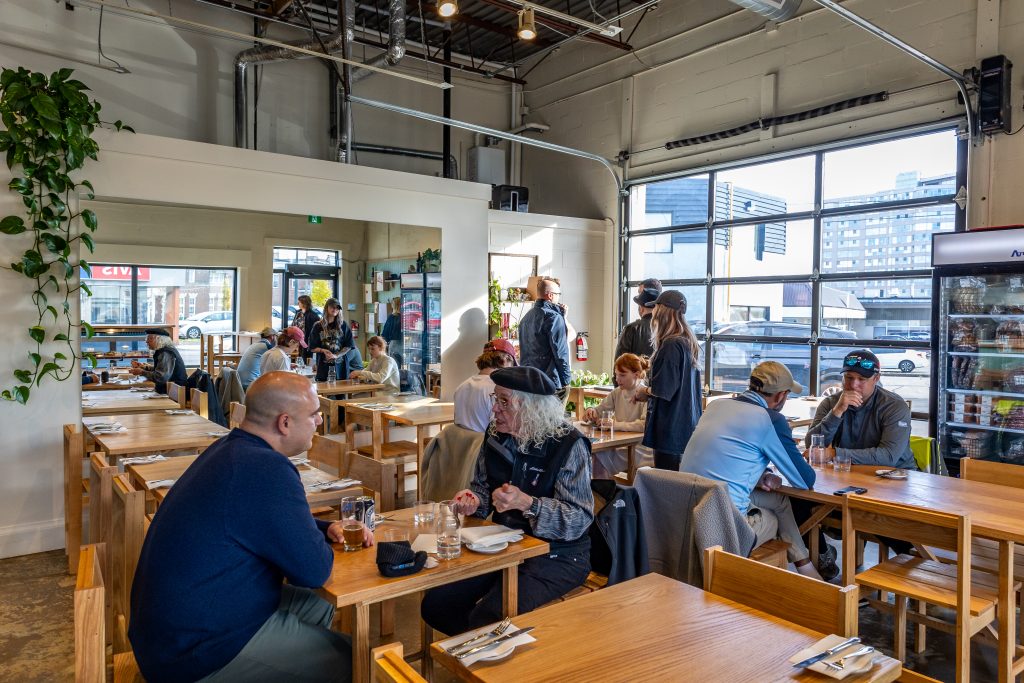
(865,363)
(501,401)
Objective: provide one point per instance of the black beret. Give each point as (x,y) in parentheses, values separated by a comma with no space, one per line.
(158,331)
(525,379)
(397,558)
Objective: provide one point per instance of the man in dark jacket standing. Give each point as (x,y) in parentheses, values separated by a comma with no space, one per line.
(168,365)
(637,337)
(542,335)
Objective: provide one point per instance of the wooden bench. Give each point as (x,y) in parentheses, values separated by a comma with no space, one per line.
(389,666)
(90,624)
(74,448)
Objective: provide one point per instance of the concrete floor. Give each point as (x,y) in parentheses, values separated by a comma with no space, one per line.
(37,639)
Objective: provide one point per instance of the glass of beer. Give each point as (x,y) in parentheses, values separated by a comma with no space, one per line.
(351,527)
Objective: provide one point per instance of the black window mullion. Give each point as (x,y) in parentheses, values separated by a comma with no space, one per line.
(708,294)
(135,295)
(812,373)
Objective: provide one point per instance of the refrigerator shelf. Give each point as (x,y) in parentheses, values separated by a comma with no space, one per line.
(985,354)
(979,392)
(987,428)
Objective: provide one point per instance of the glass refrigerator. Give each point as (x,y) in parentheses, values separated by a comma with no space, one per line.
(977,389)
(421,322)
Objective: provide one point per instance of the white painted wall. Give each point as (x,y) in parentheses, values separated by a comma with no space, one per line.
(576,252)
(181,82)
(152,170)
(703,67)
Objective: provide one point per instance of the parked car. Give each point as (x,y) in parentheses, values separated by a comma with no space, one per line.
(275,316)
(204,323)
(904,360)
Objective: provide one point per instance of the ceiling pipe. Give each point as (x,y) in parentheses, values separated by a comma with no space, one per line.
(777,10)
(396,41)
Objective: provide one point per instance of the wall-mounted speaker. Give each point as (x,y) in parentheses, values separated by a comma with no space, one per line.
(994,107)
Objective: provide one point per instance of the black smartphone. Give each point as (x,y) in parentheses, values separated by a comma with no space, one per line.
(850,489)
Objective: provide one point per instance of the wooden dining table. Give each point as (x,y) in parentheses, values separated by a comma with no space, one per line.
(356,582)
(578,394)
(347,387)
(123,402)
(362,412)
(996,513)
(423,417)
(118,385)
(603,441)
(653,628)
(153,433)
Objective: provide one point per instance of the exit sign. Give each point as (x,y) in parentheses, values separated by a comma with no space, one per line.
(315,219)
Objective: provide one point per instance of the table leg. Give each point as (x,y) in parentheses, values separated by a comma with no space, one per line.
(510,590)
(1007,613)
(361,644)
(377,433)
(426,638)
(422,431)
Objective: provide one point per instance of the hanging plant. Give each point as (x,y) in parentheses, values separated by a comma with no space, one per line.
(49,123)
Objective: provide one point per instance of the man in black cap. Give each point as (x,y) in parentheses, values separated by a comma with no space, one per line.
(637,337)
(167,366)
(869,423)
(532,474)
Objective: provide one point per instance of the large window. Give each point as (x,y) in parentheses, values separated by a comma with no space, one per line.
(197,300)
(802,258)
(297,272)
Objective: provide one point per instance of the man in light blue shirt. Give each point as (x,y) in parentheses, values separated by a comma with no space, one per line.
(737,440)
(249,364)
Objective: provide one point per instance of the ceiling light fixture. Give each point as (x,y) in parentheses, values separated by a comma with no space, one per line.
(527,26)
(448,8)
(609,31)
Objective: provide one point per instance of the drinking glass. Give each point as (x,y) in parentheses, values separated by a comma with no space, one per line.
(842,462)
(423,512)
(816,454)
(351,527)
(607,423)
(396,534)
(448,525)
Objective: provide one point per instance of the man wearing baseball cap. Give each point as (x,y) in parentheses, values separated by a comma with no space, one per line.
(866,421)
(290,340)
(637,337)
(167,365)
(249,363)
(737,441)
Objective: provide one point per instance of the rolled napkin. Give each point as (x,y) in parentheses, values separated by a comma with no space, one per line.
(493,534)
(142,459)
(179,411)
(151,396)
(160,483)
(334,485)
(853,665)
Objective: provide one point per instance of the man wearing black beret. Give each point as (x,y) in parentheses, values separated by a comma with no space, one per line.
(167,366)
(532,474)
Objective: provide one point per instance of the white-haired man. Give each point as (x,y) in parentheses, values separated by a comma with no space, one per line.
(167,366)
(532,474)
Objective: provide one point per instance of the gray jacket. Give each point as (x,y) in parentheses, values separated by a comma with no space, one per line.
(877,433)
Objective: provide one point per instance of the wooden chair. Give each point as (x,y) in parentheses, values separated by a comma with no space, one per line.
(334,422)
(390,667)
(326,454)
(90,624)
(973,598)
(74,448)
(236,414)
(101,476)
(128,530)
(992,472)
(178,394)
(200,402)
(812,604)
(908,676)
(379,476)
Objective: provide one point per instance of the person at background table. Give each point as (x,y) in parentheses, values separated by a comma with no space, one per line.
(630,415)
(90,378)
(735,442)
(279,357)
(249,364)
(209,600)
(167,365)
(331,340)
(636,337)
(673,391)
(532,474)
(865,421)
(383,369)
(305,318)
(474,398)
(543,341)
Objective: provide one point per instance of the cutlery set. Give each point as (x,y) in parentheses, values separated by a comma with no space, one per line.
(487,640)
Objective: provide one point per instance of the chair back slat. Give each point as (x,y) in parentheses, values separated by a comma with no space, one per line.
(236,415)
(128,528)
(200,402)
(376,475)
(990,472)
(90,620)
(326,454)
(74,449)
(178,394)
(812,604)
(917,525)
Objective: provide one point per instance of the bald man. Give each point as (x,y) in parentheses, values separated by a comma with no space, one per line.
(209,600)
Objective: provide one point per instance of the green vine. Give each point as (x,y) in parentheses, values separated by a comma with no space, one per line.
(49,123)
(494,302)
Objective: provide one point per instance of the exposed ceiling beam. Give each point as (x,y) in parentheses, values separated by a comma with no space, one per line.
(470,20)
(562,26)
(280,6)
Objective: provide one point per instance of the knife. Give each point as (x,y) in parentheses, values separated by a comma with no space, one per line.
(827,653)
(499,639)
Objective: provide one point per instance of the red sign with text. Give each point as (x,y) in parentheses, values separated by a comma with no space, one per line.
(118,273)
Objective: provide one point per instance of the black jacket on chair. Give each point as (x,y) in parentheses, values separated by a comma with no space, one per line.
(618,547)
(201,380)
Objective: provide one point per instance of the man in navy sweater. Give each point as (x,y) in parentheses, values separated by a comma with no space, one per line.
(209,600)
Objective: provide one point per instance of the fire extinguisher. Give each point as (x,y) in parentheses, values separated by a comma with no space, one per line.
(354,326)
(581,346)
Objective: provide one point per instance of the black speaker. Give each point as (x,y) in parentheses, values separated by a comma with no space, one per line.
(510,198)
(994,108)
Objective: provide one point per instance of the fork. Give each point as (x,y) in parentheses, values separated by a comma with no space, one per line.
(838,664)
(496,631)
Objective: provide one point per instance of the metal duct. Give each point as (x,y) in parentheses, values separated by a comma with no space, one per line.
(396,41)
(775,10)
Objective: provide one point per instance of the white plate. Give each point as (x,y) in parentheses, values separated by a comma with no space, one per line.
(487,549)
(892,474)
(859,664)
(500,652)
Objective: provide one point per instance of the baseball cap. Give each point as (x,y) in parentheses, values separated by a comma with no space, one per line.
(652,283)
(647,297)
(504,346)
(297,334)
(863,362)
(672,298)
(771,377)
